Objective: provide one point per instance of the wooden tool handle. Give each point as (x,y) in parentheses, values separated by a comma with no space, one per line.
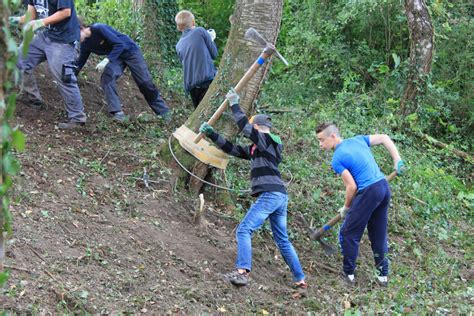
(317,234)
(238,88)
(322,230)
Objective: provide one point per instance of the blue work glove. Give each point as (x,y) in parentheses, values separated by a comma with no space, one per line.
(400,167)
(206,129)
(232,97)
(33,25)
(343,211)
(14,20)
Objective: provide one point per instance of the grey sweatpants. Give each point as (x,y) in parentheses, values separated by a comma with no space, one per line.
(57,54)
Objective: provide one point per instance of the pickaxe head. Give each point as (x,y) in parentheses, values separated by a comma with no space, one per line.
(328,250)
(255,36)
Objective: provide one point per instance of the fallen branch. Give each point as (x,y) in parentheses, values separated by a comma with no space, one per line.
(417,199)
(442,145)
(320,265)
(17,268)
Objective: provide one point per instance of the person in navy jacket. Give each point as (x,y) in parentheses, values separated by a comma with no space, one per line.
(121,52)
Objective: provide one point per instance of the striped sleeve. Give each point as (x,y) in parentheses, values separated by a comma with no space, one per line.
(229,148)
(247,129)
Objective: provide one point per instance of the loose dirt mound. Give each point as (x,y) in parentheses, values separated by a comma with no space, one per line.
(90,236)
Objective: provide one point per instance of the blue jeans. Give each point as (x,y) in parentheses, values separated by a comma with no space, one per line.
(369,209)
(140,74)
(272,205)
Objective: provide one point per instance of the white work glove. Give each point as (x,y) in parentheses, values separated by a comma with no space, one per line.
(101,66)
(232,97)
(212,33)
(14,20)
(33,25)
(343,211)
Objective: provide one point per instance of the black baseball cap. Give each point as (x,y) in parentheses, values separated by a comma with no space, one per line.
(262,120)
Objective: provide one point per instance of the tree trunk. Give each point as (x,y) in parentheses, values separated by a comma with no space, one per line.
(160,34)
(3,79)
(421,53)
(239,55)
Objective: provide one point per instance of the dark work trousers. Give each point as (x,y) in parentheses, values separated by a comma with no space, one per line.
(198,92)
(136,63)
(369,209)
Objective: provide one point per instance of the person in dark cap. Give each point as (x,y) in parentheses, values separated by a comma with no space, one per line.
(265,155)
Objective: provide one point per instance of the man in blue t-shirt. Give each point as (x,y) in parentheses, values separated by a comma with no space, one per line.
(367,195)
(57,36)
(196,51)
(121,52)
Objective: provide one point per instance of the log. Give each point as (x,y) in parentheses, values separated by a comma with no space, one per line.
(466,156)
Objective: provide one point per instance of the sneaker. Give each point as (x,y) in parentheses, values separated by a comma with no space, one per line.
(118,116)
(301,289)
(71,125)
(166,117)
(349,279)
(382,281)
(237,278)
(30,101)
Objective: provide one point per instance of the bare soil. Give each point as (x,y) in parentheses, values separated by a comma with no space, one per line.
(91,237)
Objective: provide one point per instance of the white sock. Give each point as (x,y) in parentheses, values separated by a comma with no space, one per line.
(351,277)
(383,278)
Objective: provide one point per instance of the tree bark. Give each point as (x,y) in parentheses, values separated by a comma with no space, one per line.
(421,53)
(4,13)
(160,32)
(239,55)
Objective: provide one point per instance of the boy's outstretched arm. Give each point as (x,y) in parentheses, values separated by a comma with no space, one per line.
(224,144)
(387,142)
(242,121)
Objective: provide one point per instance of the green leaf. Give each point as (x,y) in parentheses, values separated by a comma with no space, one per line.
(383,69)
(412,117)
(18,140)
(11,45)
(4,277)
(10,164)
(84,294)
(7,223)
(27,38)
(396,59)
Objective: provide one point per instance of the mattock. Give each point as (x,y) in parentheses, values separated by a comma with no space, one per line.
(194,143)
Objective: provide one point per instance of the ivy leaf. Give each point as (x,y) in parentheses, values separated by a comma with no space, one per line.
(396,59)
(4,277)
(383,69)
(18,140)
(412,117)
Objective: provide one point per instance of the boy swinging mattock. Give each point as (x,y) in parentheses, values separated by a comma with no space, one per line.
(265,155)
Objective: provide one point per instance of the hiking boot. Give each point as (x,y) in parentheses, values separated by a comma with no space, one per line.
(349,280)
(118,116)
(166,117)
(31,101)
(71,125)
(237,278)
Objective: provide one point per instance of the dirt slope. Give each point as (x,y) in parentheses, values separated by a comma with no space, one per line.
(89,237)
